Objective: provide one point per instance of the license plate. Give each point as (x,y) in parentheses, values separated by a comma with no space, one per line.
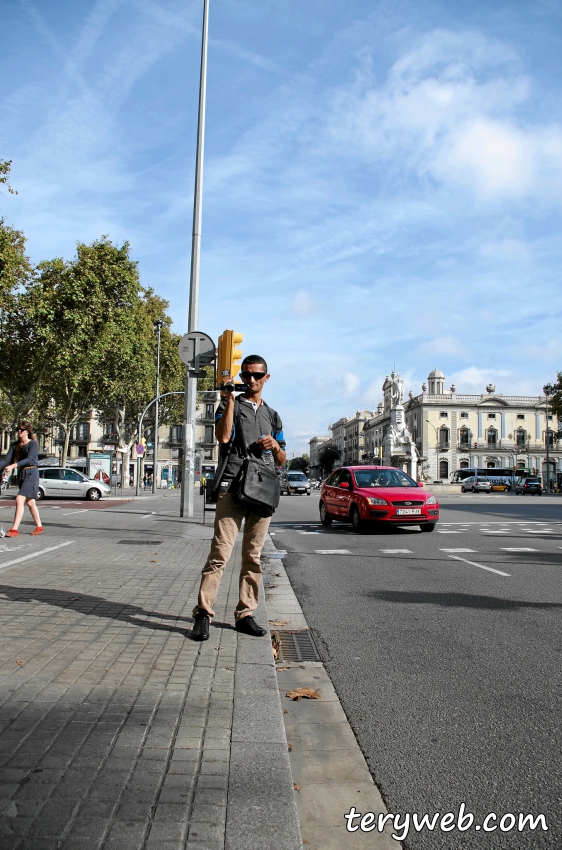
(408,511)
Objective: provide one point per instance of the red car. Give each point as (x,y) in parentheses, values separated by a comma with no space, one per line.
(365,495)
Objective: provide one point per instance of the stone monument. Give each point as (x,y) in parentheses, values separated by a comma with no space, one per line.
(399,448)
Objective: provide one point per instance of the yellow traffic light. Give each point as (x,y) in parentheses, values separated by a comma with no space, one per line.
(229,356)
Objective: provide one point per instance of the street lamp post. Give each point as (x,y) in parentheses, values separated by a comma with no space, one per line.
(188,466)
(158,328)
(547,390)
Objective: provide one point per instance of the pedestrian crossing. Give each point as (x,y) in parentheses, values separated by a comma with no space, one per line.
(486,529)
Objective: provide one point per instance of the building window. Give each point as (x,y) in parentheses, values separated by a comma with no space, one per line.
(464,436)
(209,411)
(82,451)
(521,416)
(464,415)
(444,415)
(208,455)
(521,437)
(82,432)
(492,437)
(549,417)
(443,469)
(490,465)
(209,435)
(491,415)
(464,464)
(443,437)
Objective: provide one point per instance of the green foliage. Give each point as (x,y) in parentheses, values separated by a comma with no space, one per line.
(327,457)
(555,403)
(300,463)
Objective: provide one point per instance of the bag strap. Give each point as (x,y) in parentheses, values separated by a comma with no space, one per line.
(223,462)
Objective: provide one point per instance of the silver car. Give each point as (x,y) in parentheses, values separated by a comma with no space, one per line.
(69,483)
(477,485)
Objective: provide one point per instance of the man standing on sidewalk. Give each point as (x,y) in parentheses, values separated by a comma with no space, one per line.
(243,422)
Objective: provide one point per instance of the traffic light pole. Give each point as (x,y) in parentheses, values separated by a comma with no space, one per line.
(188,468)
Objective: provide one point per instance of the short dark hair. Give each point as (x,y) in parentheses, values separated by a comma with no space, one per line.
(251,359)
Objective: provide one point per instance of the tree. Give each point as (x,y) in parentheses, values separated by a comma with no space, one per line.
(327,457)
(555,404)
(302,462)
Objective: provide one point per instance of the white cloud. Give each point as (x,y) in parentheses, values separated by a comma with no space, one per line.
(446,345)
(475,379)
(303,304)
(350,384)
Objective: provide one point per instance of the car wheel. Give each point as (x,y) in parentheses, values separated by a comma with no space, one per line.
(428,526)
(93,495)
(473,490)
(356,521)
(325,518)
(40,495)
(463,490)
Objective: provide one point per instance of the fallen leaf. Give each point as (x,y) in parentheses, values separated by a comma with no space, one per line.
(279,622)
(281,669)
(19,662)
(269,586)
(290,747)
(305,841)
(286,711)
(296,787)
(154,562)
(307,693)
(277,574)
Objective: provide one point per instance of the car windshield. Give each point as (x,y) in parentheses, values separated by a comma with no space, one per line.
(383,478)
(298,476)
(482,481)
(533,481)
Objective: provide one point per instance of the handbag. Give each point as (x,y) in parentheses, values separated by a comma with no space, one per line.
(256,486)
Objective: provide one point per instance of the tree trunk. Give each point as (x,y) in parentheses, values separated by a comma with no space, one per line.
(65,446)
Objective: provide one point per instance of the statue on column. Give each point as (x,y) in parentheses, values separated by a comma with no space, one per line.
(399,448)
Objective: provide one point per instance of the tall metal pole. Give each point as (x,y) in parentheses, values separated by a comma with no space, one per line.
(547,390)
(157,327)
(188,467)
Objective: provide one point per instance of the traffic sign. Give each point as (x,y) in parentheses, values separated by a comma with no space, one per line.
(196,349)
(140,449)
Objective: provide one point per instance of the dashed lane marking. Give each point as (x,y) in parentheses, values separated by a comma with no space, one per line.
(518,549)
(482,566)
(457,550)
(83,511)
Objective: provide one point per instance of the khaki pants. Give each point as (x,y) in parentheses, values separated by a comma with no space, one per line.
(228,521)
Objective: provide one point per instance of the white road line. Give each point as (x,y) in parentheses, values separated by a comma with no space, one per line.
(439,531)
(35,554)
(309,532)
(396,551)
(83,511)
(146,516)
(519,549)
(457,550)
(482,567)
(332,552)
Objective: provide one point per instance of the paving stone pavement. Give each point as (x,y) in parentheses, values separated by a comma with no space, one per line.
(116,730)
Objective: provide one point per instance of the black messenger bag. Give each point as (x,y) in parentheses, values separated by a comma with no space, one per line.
(256,487)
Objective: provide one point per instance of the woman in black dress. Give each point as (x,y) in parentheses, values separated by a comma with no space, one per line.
(23,455)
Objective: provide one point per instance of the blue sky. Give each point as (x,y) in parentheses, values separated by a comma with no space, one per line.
(383,180)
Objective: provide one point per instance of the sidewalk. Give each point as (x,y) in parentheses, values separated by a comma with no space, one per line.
(116,730)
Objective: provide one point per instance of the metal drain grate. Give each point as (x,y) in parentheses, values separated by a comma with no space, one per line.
(297,646)
(141,542)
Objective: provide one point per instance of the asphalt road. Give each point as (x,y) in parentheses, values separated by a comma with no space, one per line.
(445,651)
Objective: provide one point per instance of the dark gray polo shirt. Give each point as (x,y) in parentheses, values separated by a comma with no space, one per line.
(253,423)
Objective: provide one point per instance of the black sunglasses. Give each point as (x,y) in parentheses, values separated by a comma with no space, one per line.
(21,429)
(257,376)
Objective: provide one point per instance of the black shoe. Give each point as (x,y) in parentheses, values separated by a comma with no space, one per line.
(200,629)
(248,626)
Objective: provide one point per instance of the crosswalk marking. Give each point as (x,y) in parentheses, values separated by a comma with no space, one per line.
(396,551)
(457,550)
(332,552)
(482,566)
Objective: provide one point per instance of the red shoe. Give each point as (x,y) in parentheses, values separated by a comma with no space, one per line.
(12,532)
(37,531)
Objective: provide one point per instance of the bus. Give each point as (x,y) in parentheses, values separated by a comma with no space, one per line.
(497,475)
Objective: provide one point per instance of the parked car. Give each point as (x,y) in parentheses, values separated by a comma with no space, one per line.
(528,485)
(69,483)
(295,483)
(476,485)
(376,496)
